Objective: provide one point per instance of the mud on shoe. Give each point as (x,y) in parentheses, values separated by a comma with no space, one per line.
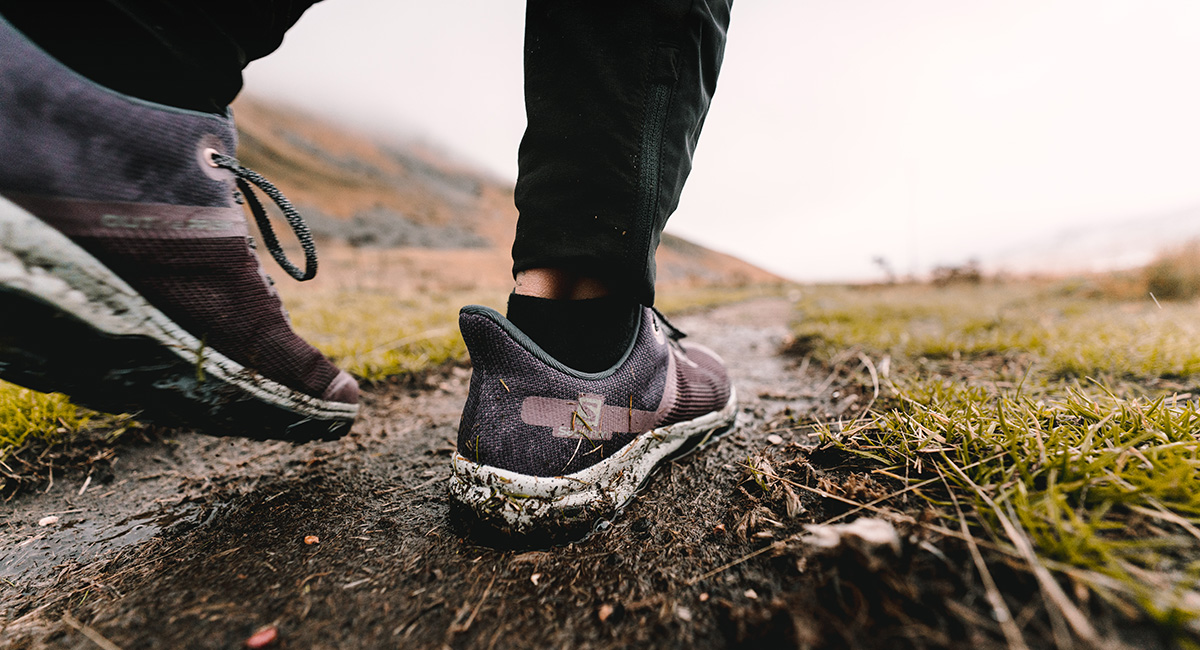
(127,279)
(544,450)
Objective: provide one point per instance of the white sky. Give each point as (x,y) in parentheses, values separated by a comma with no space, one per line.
(925,131)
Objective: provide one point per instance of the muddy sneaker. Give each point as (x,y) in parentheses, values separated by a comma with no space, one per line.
(126,276)
(543,449)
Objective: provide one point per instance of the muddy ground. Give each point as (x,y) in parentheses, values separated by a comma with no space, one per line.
(175,540)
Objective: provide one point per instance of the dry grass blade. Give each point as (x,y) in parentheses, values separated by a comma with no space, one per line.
(1012,634)
(91,634)
(1161,513)
(1075,618)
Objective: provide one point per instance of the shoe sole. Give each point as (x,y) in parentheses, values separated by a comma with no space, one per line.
(71,325)
(520,505)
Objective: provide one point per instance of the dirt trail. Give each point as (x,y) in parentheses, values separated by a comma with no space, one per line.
(192,541)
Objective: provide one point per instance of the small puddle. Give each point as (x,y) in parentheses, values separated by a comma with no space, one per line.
(81,537)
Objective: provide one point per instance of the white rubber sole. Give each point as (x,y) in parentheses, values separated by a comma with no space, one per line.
(520,504)
(163,370)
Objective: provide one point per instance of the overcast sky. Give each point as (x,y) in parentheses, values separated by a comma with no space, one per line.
(924,131)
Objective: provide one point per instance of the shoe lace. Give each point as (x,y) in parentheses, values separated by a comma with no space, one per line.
(247,180)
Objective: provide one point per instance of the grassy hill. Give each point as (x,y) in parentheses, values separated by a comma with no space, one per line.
(445,225)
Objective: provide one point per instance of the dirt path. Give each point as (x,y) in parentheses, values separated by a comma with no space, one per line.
(200,542)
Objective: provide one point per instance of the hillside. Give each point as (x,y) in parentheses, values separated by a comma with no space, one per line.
(411,210)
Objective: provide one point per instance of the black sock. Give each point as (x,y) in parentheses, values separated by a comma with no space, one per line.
(586,335)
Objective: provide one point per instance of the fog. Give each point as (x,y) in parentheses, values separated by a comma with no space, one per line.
(925,132)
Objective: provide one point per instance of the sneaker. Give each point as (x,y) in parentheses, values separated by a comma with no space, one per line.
(127,277)
(544,449)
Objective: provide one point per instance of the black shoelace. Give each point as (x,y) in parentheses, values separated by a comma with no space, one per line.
(246,181)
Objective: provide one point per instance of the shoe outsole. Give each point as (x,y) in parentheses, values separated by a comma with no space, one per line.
(560,507)
(71,325)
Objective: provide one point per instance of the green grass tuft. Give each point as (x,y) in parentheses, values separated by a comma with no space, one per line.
(29,418)
(991,393)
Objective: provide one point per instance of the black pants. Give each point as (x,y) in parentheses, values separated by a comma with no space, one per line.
(615,94)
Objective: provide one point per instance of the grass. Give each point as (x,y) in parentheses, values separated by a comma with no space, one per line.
(29,418)
(375,335)
(1067,335)
(1062,424)
(23,411)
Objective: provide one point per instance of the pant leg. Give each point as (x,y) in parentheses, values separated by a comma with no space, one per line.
(180,53)
(615,95)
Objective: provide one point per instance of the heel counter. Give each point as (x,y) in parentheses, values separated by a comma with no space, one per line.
(479,353)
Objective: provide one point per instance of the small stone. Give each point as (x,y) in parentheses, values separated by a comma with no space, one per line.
(683,613)
(263,638)
(534,578)
(751,594)
(704,597)
(606,610)
(775,439)
(312,539)
(48,521)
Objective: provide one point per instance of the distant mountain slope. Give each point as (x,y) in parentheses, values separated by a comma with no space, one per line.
(443,221)
(1104,246)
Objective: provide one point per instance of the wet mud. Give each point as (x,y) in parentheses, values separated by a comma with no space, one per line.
(184,541)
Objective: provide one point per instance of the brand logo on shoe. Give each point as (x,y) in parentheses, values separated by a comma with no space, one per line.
(120,219)
(586,420)
(120,222)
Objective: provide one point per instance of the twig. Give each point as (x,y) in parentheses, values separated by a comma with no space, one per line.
(405,490)
(471,619)
(91,634)
(729,565)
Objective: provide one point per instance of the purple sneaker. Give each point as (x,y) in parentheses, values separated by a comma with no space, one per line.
(544,449)
(126,275)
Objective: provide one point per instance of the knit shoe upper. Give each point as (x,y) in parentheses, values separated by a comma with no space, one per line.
(542,445)
(146,191)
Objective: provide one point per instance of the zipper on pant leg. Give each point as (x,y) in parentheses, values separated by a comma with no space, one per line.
(650,159)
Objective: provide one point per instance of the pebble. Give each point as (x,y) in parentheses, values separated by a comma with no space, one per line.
(775,439)
(263,638)
(48,521)
(751,594)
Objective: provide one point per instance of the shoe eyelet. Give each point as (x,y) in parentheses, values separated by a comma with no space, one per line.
(210,156)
